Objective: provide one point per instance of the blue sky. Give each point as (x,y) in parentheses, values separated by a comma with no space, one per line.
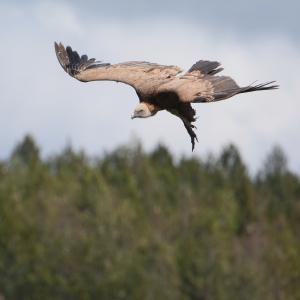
(257,40)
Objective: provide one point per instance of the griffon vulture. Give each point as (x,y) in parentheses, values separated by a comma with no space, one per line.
(160,87)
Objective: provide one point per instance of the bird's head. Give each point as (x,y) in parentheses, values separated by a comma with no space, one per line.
(142,110)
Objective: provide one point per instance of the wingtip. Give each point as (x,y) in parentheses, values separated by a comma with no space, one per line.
(270,85)
(56,45)
(62,56)
(260,87)
(276,85)
(69,49)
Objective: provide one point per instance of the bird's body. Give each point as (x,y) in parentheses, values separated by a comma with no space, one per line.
(160,87)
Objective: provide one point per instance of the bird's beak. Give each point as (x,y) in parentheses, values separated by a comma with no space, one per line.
(132,117)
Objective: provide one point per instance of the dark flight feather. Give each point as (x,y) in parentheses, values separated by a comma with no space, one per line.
(206,67)
(72,63)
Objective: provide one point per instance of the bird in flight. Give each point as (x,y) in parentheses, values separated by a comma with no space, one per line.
(160,87)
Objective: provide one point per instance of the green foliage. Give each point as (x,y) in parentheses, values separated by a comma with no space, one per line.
(132,225)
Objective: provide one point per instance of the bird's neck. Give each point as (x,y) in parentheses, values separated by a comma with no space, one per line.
(152,108)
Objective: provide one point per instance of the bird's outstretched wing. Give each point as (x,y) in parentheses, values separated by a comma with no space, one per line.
(200,84)
(143,76)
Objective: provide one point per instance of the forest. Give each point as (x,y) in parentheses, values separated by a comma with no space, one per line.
(138,225)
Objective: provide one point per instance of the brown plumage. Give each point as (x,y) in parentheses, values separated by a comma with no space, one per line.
(160,87)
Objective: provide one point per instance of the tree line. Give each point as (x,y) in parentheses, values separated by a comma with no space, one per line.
(139,225)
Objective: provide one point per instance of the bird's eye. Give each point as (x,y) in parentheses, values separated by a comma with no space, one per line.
(140,111)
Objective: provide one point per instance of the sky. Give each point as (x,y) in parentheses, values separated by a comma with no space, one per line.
(257,40)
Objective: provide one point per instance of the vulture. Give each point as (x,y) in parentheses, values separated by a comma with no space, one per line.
(160,87)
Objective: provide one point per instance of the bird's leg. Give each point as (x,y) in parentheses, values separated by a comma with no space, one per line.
(189,127)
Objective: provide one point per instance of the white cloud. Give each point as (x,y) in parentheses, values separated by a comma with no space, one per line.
(57,16)
(40,98)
